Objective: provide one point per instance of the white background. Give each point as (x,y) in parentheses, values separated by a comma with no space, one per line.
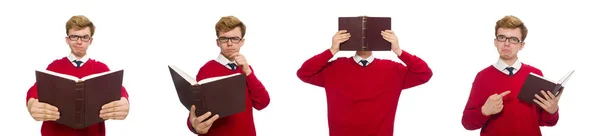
(454,37)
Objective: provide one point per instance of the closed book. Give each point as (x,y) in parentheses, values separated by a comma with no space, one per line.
(365,33)
(79,100)
(222,95)
(535,83)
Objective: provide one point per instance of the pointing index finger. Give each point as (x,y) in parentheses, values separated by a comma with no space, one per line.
(505,93)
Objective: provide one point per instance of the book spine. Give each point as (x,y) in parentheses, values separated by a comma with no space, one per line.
(557,89)
(79,104)
(364,33)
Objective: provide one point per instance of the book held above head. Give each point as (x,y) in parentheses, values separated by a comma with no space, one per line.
(366,31)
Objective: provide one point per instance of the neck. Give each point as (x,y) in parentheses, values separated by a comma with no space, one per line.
(77,56)
(228,57)
(364,54)
(509,62)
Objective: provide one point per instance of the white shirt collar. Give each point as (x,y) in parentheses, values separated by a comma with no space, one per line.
(72,58)
(224,61)
(357,59)
(500,65)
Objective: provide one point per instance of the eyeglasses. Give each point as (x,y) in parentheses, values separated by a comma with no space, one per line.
(77,37)
(232,39)
(502,38)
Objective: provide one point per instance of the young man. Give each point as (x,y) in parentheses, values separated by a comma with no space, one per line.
(230,38)
(80,31)
(363,91)
(493,105)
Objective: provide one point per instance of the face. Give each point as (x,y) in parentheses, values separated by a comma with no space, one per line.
(509,43)
(79,41)
(230,42)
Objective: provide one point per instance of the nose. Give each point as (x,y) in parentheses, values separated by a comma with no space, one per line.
(229,43)
(506,43)
(79,41)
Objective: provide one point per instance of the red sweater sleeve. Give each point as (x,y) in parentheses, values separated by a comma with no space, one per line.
(311,70)
(416,72)
(472,117)
(258,93)
(545,118)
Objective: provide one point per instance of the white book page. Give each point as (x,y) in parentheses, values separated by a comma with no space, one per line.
(566,78)
(208,80)
(545,78)
(65,76)
(185,76)
(99,74)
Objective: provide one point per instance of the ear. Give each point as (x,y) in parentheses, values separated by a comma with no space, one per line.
(522,46)
(242,42)
(67,39)
(91,39)
(217,42)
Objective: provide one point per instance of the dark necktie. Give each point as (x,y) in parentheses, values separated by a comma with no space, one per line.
(78,62)
(510,70)
(364,62)
(232,66)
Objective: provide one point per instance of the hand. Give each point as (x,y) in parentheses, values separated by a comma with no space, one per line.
(241,61)
(493,104)
(117,110)
(197,124)
(339,37)
(42,111)
(550,104)
(389,36)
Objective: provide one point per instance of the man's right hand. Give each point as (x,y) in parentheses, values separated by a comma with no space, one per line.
(196,121)
(493,105)
(42,111)
(339,37)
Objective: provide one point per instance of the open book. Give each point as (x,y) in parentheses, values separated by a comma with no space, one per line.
(535,83)
(222,95)
(79,100)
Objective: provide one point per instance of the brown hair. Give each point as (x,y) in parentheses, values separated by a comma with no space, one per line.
(79,22)
(228,23)
(512,22)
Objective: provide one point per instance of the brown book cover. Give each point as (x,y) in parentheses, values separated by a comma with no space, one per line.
(79,101)
(365,33)
(223,95)
(535,83)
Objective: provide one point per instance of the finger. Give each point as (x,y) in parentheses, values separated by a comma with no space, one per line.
(193,111)
(47,106)
(540,99)
(550,94)
(500,108)
(495,97)
(51,117)
(114,109)
(504,93)
(210,121)
(545,95)
(51,112)
(112,105)
(342,31)
(202,117)
(117,115)
(343,40)
(540,104)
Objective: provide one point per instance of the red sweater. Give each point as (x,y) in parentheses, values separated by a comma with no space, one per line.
(517,118)
(64,66)
(241,124)
(362,101)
